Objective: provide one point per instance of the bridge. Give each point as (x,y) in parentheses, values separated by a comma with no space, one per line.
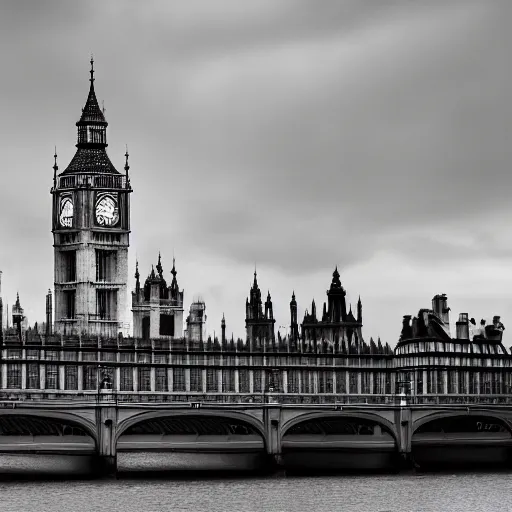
(353,431)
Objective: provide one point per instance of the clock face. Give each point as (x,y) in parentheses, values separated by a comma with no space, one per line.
(66,212)
(107,210)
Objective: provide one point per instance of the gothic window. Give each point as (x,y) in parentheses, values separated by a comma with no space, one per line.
(179,379)
(211,380)
(377,383)
(90,371)
(69,303)
(160,379)
(71,377)
(126,372)
(167,325)
(144,378)
(126,375)
(33,378)
(145,328)
(293,381)
(14,376)
(106,264)
(106,304)
(196,380)
(243,375)
(69,263)
(257,384)
(228,381)
(52,376)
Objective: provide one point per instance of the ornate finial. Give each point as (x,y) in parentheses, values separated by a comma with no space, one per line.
(159,267)
(126,166)
(152,275)
(55,166)
(92,69)
(137,275)
(173,271)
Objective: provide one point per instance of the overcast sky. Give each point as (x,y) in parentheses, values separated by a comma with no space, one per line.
(294,135)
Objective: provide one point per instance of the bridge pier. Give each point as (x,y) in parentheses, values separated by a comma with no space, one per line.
(106,424)
(403,422)
(105,466)
(272,421)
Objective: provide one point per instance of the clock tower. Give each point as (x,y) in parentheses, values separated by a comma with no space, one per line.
(91,227)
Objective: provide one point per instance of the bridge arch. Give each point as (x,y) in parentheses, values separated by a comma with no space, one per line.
(64,418)
(337,415)
(446,415)
(41,432)
(240,418)
(462,438)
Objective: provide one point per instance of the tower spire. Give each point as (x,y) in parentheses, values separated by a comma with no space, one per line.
(126,166)
(55,167)
(92,69)
(159,267)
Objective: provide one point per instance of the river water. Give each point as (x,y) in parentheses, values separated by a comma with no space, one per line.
(456,492)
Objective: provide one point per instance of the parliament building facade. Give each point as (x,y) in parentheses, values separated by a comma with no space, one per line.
(82,348)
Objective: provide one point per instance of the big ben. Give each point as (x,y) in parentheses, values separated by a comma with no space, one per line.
(91,229)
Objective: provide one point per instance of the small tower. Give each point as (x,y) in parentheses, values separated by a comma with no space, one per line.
(196,322)
(259,326)
(157,308)
(269,313)
(49,313)
(17,316)
(337,308)
(223,328)
(294,327)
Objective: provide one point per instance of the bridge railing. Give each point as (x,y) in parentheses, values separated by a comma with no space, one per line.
(127,397)
(455,399)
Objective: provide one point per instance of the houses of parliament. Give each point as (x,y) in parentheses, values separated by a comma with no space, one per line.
(324,358)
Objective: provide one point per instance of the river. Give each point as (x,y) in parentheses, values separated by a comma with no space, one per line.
(453,492)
